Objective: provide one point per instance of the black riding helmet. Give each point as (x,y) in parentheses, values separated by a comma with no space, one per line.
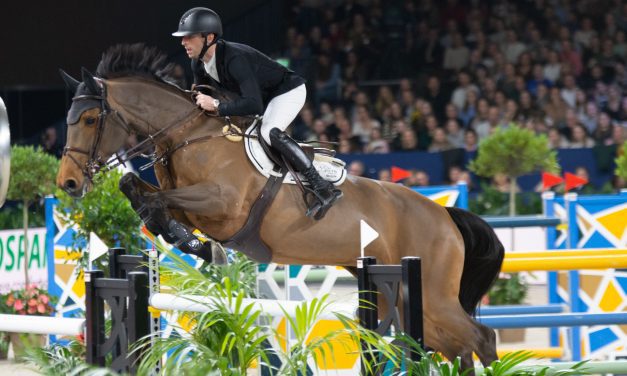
(200,21)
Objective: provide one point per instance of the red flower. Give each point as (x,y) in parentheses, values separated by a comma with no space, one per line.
(41,308)
(19,304)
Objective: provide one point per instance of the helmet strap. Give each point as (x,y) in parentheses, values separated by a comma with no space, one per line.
(206,46)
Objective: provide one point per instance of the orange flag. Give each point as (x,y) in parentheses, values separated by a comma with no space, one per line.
(399,174)
(550,180)
(573,181)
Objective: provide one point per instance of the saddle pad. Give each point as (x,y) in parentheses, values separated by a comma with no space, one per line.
(331,169)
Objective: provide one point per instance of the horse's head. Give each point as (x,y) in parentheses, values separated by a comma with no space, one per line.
(93,135)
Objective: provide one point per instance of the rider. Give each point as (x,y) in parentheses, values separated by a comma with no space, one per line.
(260,82)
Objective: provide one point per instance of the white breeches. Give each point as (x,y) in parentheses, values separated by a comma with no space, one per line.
(282,110)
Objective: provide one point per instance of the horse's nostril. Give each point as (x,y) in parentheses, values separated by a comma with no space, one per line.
(70,184)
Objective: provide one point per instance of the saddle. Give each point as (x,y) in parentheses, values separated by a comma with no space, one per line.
(269,163)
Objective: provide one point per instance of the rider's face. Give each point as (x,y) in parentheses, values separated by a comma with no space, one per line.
(193,44)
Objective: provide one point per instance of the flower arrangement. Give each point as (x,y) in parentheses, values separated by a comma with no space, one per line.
(29,301)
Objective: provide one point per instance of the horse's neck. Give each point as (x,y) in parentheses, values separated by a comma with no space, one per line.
(149,107)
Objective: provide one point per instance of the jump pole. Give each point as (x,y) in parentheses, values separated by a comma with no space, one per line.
(41,325)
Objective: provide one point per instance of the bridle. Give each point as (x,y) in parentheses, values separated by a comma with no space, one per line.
(95,163)
(94,160)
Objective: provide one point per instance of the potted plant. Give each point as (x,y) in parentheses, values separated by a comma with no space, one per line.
(509,289)
(29,301)
(4,336)
(32,177)
(513,152)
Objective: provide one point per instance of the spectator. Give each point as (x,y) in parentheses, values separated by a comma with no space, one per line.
(454,175)
(436,96)
(384,174)
(571,57)
(421,178)
(502,183)
(461,91)
(470,140)
(579,138)
(512,48)
(553,67)
(584,35)
(327,80)
(556,140)
(457,55)
(469,111)
(409,141)
(439,142)
(569,91)
(603,133)
(482,113)
(484,129)
(454,134)
(356,168)
(377,144)
(363,124)
(50,142)
(590,116)
(556,108)
(538,79)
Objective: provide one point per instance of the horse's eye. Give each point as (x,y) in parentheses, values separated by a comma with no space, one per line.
(90,121)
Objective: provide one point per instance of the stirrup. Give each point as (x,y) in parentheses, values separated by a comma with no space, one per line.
(188,242)
(319,206)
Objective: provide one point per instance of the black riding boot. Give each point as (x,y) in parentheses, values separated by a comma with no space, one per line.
(325,193)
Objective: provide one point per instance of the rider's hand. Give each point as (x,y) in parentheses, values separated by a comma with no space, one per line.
(206,102)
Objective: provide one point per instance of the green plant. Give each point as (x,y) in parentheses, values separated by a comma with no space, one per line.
(12,216)
(67,359)
(510,288)
(32,177)
(491,201)
(513,152)
(621,161)
(104,211)
(226,340)
(30,301)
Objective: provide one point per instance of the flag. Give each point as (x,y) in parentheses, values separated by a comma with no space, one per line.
(399,174)
(573,181)
(97,247)
(367,234)
(550,180)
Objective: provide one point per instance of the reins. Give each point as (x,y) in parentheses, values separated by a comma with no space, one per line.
(95,162)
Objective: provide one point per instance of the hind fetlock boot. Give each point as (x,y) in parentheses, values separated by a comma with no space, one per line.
(324,193)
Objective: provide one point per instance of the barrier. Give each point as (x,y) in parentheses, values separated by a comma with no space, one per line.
(41,325)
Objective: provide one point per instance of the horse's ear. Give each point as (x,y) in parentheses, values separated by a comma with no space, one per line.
(90,82)
(70,82)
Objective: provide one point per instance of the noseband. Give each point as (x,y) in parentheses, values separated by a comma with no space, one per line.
(94,161)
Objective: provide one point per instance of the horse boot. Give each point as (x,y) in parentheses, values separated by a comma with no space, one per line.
(323,192)
(141,204)
(187,242)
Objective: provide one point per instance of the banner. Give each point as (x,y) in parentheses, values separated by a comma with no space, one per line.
(12,258)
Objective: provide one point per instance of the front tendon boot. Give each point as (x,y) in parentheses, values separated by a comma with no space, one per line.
(323,194)
(187,242)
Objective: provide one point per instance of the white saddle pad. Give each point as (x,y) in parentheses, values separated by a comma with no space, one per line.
(331,169)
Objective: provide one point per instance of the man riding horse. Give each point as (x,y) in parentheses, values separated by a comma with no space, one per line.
(259,81)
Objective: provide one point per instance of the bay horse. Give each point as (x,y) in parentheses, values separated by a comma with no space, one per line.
(211,185)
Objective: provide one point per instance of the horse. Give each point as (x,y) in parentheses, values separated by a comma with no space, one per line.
(211,185)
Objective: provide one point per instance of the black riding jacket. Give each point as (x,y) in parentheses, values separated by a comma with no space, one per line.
(252,75)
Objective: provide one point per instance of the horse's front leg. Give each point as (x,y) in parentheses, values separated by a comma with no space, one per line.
(152,208)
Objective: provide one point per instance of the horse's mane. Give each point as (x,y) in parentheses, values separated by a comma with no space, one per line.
(139,60)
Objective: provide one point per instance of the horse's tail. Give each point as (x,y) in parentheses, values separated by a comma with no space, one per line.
(483,259)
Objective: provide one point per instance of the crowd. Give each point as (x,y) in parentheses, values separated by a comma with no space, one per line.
(437,75)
